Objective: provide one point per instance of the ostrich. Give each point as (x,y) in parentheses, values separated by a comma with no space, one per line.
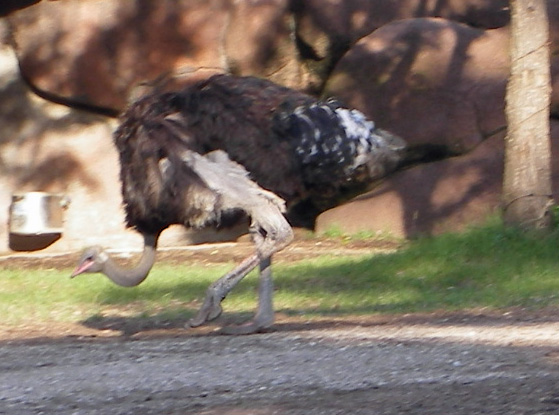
(232,146)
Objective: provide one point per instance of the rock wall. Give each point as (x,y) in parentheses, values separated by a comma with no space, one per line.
(433,72)
(95,52)
(442,196)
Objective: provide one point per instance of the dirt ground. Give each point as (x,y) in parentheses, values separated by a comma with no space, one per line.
(478,362)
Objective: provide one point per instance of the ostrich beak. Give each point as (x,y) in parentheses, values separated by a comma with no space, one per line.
(82,267)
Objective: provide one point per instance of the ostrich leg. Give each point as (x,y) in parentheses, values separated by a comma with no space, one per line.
(270,235)
(216,293)
(264,316)
(269,229)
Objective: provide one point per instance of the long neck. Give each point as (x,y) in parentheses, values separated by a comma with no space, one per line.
(130,277)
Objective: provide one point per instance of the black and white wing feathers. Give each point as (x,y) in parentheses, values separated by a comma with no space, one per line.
(336,146)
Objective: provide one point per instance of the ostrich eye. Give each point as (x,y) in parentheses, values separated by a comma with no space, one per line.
(89,258)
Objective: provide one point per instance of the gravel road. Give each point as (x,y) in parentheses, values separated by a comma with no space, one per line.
(434,364)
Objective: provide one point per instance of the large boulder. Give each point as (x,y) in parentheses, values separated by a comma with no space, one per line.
(328,28)
(259,42)
(448,195)
(437,83)
(95,53)
(427,199)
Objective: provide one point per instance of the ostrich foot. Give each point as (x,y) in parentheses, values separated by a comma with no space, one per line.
(211,309)
(208,312)
(264,317)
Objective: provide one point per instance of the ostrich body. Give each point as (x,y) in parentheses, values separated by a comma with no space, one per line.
(229,147)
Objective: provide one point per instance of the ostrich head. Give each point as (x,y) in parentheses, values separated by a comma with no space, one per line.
(95,259)
(92,260)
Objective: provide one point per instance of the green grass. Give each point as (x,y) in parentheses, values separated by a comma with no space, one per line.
(490,267)
(335,232)
(484,267)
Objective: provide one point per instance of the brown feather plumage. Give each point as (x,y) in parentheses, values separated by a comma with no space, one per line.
(239,116)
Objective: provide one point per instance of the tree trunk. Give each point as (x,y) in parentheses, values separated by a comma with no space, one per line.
(527,176)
